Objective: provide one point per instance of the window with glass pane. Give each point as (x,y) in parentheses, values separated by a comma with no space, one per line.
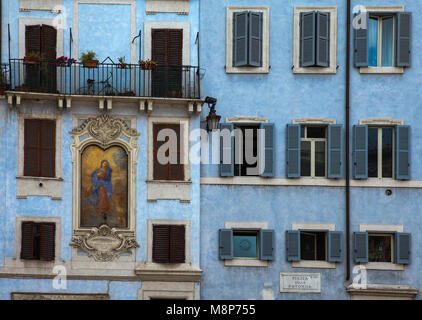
(380,247)
(313,151)
(381,40)
(313,245)
(245,244)
(246,151)
(380,152)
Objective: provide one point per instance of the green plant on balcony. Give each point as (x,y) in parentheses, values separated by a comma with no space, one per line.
(88,59)
(122,62)
(148,64)
(33,57)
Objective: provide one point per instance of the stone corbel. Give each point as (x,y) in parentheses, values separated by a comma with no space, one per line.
(199,107)
(68,103)
(149,106)
(104,244)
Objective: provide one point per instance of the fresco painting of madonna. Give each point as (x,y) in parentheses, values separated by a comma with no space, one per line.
(104,187)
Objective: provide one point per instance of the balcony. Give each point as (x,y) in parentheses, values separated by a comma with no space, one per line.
(106,81)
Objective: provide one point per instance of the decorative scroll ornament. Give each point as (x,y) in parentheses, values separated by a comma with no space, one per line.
(104,244)
(105,128)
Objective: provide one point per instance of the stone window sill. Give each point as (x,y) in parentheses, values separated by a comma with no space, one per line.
(239,262)
(39,186)
(314,264)
(381,70)
(385,266)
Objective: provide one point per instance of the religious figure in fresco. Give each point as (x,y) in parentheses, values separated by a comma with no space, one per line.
(103,188)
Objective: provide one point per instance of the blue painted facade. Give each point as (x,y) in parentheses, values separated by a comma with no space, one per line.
(278,96)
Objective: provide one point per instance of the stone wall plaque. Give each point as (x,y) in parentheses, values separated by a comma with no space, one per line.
(300,282)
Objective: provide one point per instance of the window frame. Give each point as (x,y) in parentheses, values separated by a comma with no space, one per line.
(392,244)
(258,241)
(379,154)
(239,166)
(379,18)
(332,69)
(313,141)
(265,68)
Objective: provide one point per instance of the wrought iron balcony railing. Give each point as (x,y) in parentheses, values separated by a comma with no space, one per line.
(106,79)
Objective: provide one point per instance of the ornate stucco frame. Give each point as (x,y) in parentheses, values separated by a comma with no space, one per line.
(104,131)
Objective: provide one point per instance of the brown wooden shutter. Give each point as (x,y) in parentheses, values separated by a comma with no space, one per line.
(47,148)
(27,244)
(32,39)
(47,241)
(160,244)
(48,49)
(31,145)
(177,244)
(167,171)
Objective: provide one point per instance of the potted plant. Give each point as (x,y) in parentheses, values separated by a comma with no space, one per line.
(122,62)
(88,59)
(64,61)
(33,57)
(148,64)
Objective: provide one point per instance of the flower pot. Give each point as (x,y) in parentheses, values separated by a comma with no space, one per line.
(123,65)
(91,63)
(31,60)
(21,88)
(2,90)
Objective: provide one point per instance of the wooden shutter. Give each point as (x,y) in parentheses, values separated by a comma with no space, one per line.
(160,243)
(361,55)
(240,39)
(402,166)
(167,51)
(47,241)
(267,244)
(255,39)
(167,171)
(334,150)
(307,38)
(31,147)
(268,150)
(177,244)
(226,150)
(27,243)
(402,250)
(335,240)
(361,246)
(293,151)
(360,152)
(293,245)
(225,244)
(32,44)
(47,148)
(403,39)
(323,39)
(48,49)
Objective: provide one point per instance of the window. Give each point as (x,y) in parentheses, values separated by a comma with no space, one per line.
(315,40)
(247,149)
(381,152)
(314,151)
(168,244)
(39,148)
(167,154)
(38,241)
(382,40)
(380,247)
(314,245)
(246,243)
(247,42)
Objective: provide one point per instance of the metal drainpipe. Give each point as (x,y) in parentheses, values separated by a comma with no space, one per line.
(1,30)
(348,140)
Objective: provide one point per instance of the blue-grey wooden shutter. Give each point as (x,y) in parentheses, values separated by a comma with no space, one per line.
(362,43)
(402,152)
(335,242)
(240,38)
(255,39)
(267,244)
(226,165)
(307,38)
(268,150)
(334,151)
(360,246)
(226,244)
(403,39)
(323,39)
(402,248)
(360,152)
(293,151)
(293,245)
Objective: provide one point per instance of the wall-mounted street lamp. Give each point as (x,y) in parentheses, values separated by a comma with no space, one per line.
(212,119)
